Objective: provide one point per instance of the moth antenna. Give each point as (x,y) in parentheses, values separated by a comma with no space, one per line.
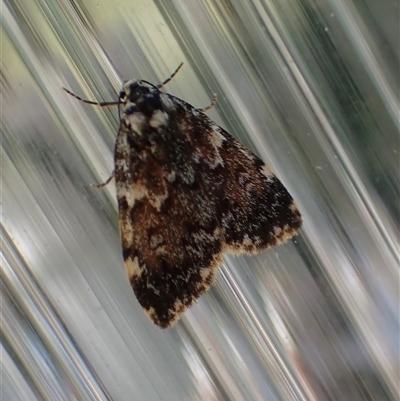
(169,79)
(101,104)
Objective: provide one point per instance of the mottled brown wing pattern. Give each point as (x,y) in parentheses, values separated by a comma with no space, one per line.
(255,210)
(171,240)
(188,191)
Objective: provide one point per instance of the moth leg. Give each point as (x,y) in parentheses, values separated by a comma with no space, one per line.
(213,103)
(104,183)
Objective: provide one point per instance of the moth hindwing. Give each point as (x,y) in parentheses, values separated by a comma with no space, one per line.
(187,192)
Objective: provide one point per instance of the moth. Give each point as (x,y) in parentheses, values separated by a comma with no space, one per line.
(187,193)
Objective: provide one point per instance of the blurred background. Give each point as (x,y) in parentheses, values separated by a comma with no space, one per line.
(312,86)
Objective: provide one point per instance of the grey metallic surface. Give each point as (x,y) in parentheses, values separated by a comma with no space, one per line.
(312,87)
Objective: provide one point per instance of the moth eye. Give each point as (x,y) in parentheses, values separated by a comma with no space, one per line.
(122,96)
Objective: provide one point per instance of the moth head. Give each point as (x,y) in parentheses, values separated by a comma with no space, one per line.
(132,90)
